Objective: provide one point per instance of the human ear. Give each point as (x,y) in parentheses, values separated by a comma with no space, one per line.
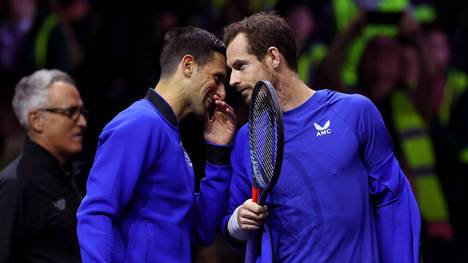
(188,65)
(36,121)
(274,57)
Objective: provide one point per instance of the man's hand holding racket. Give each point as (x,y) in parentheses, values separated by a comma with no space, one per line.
(250,215)
(247,217)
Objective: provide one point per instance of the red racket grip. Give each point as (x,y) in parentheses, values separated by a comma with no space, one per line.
(255,194)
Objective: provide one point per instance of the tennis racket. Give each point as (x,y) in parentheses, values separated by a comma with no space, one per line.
(266,139)
(266,142)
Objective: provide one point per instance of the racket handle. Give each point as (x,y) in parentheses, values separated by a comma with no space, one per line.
(255,194)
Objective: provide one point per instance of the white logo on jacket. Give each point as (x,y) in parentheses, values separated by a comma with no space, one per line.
(323,130)
(186,156)
(187,159)
(60,204)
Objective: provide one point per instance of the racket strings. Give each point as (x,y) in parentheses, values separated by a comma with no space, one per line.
(264,124)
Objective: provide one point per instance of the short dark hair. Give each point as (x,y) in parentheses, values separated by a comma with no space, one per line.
(262,31)
(191,40)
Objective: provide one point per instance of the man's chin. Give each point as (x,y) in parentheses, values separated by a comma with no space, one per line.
(247,100)
(74,149)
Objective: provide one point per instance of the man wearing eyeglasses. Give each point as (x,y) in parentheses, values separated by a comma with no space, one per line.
(38,195)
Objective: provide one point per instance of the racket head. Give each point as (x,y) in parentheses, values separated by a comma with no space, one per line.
(266,138)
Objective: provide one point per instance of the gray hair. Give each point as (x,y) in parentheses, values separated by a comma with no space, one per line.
(31,92)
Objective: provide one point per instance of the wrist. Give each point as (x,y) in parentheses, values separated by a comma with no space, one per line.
(234,229)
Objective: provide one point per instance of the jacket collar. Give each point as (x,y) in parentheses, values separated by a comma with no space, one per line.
(162,106)
(34,154)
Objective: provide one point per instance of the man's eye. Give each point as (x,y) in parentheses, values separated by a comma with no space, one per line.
(239,66)
(219,78)
(72,110)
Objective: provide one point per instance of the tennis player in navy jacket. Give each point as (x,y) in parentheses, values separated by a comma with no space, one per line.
(141,204)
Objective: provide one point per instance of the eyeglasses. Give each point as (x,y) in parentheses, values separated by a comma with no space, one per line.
(73,112)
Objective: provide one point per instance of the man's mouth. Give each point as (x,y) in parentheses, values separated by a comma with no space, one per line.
(78,134)
(78,137)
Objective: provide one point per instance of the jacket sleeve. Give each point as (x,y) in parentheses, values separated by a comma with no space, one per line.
(211,202)
(10,205)
(9,200)
(123,153)
(396,213)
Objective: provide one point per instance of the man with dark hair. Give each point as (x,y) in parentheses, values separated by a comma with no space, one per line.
(38,195)
(176,46)
(141,204)
(341,195)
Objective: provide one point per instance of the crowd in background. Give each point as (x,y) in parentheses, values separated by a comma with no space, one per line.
(408,57)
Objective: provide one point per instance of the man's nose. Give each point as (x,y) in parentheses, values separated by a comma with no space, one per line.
(82,121)
(234,79)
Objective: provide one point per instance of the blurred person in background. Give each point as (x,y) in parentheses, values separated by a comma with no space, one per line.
(449,130)
(422,83)
(311,49)
(38,195)
(402,78)
(31,38)
(16,21)
(46,45)
(415,104)
(15,25)
(73,14)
